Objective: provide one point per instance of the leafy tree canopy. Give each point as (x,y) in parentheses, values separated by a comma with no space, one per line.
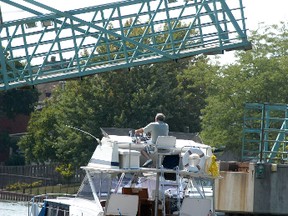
(18,101)
(259,76)
(191,92)
(126,99)
(12,103)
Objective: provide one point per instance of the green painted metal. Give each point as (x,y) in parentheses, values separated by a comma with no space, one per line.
(50,46)
(265,132)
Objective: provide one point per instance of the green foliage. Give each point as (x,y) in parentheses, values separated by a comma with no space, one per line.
(4,141)
(15,160)
(260,75)
(23,185)
(12,103)
(125,99)
(192,92)
(115,99)
(48,138)
(66,170)
(42,133)
(18,101)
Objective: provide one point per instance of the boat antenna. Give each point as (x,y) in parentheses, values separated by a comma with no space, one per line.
(85,132)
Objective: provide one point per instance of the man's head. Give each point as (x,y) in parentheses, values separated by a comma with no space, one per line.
(159,117)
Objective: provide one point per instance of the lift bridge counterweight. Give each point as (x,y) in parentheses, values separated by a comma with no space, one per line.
(59,45)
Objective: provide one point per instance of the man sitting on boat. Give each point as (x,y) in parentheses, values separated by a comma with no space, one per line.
(157,128)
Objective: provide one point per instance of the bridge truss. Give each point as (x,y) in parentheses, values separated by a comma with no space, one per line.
(265,133)
(59,45)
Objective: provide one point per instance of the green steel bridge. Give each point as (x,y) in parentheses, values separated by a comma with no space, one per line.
(57,45)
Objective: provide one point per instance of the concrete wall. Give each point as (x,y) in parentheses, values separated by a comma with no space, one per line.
(246,192)
(271,191)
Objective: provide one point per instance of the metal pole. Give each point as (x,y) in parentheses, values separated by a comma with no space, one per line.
(157,186)
(262,132)
(158,162)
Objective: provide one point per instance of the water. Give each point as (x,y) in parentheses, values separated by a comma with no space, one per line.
(13,208)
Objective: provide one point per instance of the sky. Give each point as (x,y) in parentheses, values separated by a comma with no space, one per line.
(257,12)
(269,12)
(260,13)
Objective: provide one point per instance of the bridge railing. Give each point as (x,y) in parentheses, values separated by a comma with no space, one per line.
(60,45)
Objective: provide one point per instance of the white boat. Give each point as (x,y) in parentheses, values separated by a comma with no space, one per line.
(179,182)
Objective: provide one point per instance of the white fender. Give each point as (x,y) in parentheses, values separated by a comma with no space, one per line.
(194,160)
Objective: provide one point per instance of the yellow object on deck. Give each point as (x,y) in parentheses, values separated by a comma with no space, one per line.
(214,168)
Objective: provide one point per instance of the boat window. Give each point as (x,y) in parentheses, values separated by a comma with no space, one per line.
(57,211)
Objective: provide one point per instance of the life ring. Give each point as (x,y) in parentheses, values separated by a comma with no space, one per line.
(194,160)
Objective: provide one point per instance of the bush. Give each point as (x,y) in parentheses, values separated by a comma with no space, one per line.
(23,186)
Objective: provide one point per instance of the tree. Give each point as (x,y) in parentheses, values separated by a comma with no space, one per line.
(192,93)
(126,99)
(49,138)
(12,103)
(114,99)
(258,76)
(18,101)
